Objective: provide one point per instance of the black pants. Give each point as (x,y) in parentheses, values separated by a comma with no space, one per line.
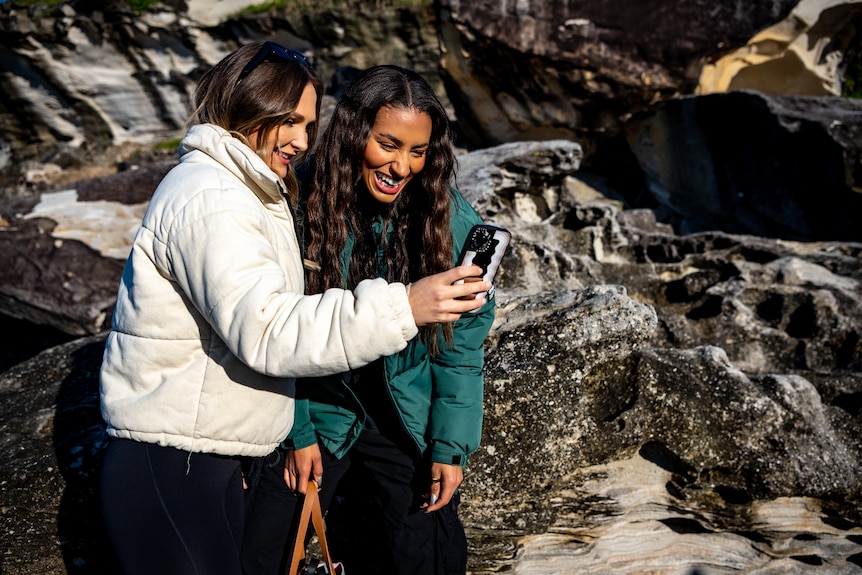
(171,512)
(416,543)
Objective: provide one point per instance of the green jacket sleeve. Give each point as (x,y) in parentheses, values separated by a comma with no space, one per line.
(302,433)
(455,426)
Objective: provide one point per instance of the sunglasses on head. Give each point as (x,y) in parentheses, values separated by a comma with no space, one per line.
(269,50)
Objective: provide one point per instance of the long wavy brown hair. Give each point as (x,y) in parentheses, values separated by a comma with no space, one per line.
(420,239)
(262,100)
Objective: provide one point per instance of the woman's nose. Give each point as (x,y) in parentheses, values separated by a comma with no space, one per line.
(300,142)
(400,167)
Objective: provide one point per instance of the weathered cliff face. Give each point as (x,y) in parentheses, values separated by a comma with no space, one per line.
(530,70)
(804,54)
(82,77)
(78,82)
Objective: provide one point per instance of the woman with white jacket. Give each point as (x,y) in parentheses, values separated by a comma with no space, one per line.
(211,326)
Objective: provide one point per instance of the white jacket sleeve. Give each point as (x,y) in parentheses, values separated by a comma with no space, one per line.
(243,274)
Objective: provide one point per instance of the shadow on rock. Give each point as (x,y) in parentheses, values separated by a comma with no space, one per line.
(54,438)
(79,444)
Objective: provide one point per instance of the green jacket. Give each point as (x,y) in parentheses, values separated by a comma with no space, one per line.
(439,400)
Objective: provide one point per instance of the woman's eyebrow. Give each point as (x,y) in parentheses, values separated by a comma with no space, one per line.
(398,142)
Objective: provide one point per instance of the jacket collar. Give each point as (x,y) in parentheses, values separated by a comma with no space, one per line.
(236,157)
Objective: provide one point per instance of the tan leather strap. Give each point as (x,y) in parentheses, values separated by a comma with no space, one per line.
(310,510)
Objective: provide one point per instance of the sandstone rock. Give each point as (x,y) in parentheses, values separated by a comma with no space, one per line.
(801,55)
(212,14)
(633,522)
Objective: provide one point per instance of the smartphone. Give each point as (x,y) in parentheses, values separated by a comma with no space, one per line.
(485,247)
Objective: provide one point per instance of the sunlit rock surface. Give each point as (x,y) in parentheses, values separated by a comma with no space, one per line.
(801,55)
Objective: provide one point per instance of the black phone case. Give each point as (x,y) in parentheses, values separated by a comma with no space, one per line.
(485,247)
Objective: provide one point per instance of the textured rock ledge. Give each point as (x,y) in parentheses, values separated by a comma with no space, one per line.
(674,403)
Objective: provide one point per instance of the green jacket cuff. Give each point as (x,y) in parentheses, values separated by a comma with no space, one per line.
(302,433)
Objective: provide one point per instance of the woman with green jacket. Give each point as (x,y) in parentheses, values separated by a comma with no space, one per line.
(380,204)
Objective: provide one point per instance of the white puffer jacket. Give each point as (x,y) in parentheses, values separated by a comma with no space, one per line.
(211,325)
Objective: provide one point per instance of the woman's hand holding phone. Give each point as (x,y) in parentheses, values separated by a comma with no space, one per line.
(443,297)
(439,299)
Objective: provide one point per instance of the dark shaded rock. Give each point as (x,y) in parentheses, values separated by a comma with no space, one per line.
(133,184)
(743,162)
(53,437)
(20,340)
(43,284)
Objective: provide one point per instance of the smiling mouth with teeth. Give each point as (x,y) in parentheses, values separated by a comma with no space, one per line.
(284,155)
(388,184)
